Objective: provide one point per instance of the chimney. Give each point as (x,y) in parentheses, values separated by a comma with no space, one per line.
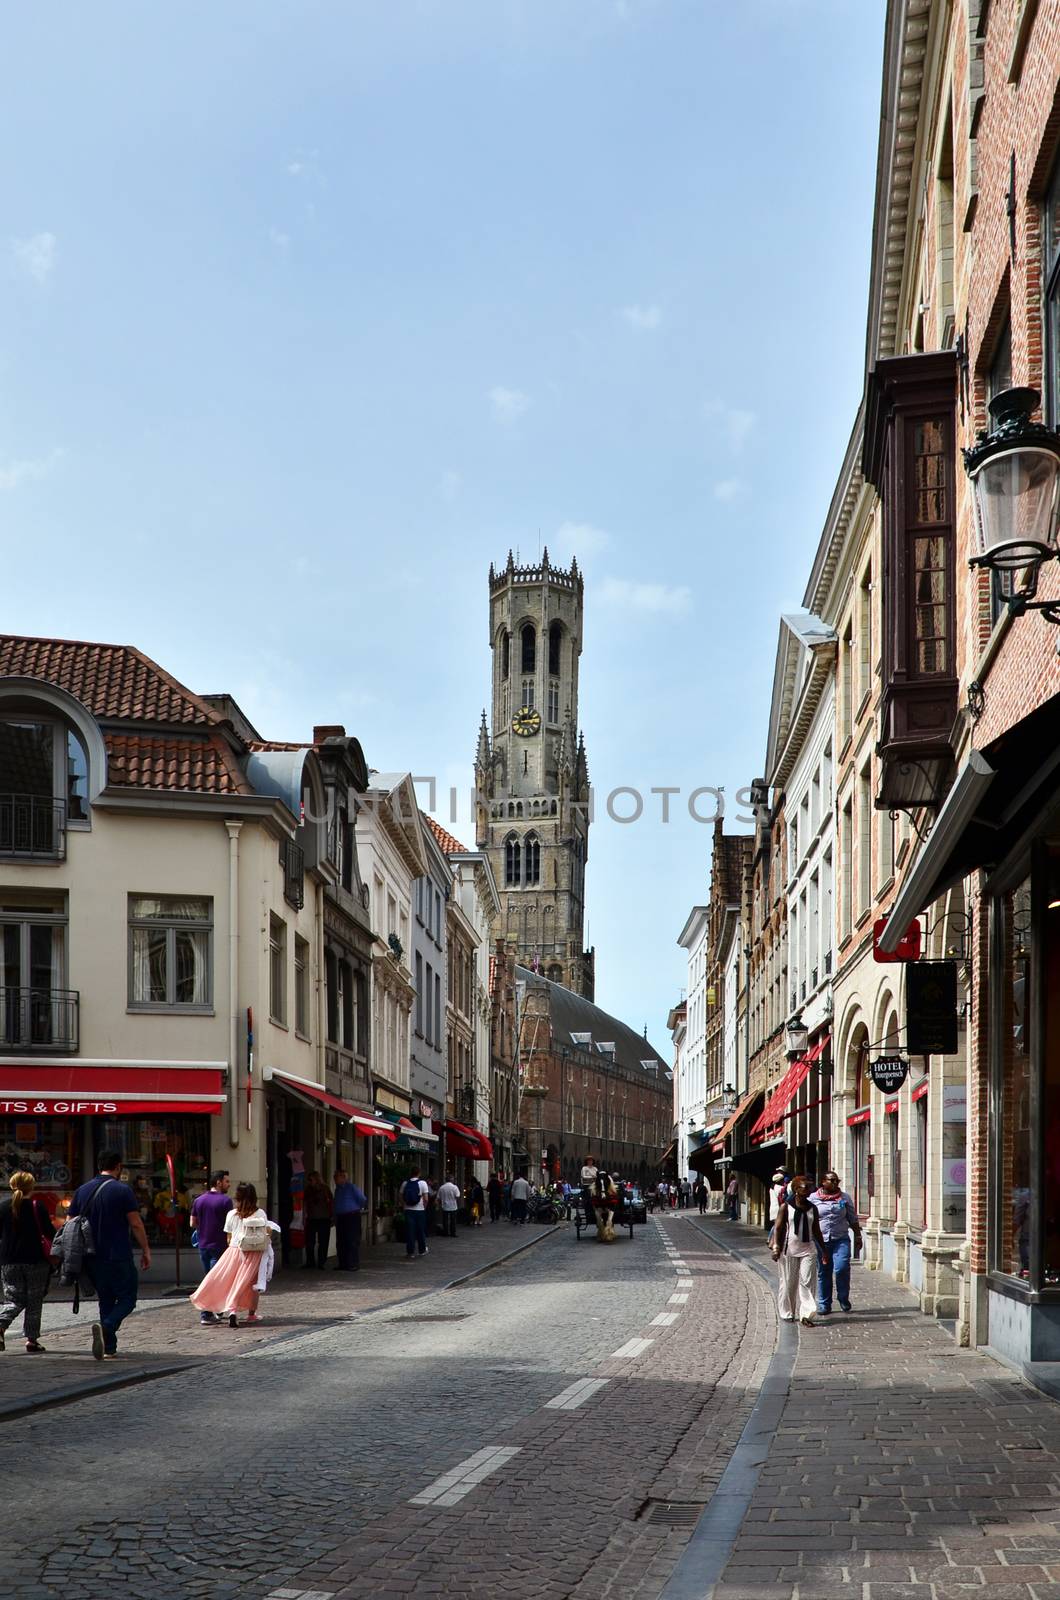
(328,730)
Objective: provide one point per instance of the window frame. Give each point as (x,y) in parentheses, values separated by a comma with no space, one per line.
(62,733)
(277,948)
(172,926)
(302,1025)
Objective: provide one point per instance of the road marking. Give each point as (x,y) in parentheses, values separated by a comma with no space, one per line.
(301,1594)
(460,1480)
(663,1320)
(575,1394)
(631,1348)
(677,1300)
(684,1283)
(682,1266)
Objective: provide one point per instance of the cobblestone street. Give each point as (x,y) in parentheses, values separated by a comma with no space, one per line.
(554,1428)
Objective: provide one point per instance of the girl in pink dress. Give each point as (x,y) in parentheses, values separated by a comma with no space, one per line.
(244,1270)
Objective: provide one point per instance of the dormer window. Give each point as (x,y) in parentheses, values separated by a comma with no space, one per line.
(43,786)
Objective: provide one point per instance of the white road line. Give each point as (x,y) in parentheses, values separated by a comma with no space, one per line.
(663,1320)
(684,1283)
(576,1394)
(682,1266)
(677,1300)
(460,1480)
(301,1594)
(631,1348)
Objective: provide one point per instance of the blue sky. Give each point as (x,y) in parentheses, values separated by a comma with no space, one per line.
(310,311)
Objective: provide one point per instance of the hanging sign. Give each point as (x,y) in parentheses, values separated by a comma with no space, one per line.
(931,1008)
(888,1073)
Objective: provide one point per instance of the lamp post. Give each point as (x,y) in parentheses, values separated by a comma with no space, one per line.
(1014,470)
(730,1098)
(796,1038)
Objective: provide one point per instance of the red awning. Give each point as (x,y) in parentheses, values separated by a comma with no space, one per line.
(856,1118)
(890,1107)
(777,1107)
(718,1142)
(361,1121)
(460,1140)
(920,1090)
(110,1089)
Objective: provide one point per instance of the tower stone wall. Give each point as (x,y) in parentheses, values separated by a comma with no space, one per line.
(531,772)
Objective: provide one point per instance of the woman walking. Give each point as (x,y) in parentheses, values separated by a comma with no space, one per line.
(318,1210)
(798,1245)
(26,1234)
(243,1272)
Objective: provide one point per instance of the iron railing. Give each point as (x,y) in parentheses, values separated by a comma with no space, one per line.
(293,858)
(39,1019)
(32,826)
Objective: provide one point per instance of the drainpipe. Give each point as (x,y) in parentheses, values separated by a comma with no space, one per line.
(233,828)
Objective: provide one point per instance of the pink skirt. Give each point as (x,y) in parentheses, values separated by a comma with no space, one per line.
(229,1286)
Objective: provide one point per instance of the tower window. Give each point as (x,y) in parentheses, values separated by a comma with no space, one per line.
(528,693)
(555,641)
(506,653)
(512,860)
(553,701)
(533,858)
(529,640)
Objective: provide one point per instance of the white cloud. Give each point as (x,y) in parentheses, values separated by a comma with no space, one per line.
(579,539)
(645,319)
(734,422)
(35,256)
(15,473)
(509,404)
(281,240)
(450,484)
(295,168)
(655,598)
(730,489)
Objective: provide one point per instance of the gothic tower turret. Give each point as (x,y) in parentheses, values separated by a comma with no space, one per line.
(531,775)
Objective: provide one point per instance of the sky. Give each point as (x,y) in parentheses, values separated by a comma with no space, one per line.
(309,311)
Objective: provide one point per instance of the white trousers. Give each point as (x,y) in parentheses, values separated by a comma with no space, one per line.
(796,1276)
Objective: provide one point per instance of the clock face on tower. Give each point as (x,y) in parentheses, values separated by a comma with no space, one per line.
(526,722)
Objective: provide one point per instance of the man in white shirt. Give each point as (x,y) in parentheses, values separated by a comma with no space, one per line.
(588,1186)
(449,1200)
(415,1213)
(520,1196)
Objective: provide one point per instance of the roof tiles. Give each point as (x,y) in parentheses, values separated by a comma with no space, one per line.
(115,681)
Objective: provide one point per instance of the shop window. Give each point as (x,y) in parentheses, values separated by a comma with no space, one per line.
(277,969)
(301,987)
(170,952)
(859,1166)
(1014,1193)
(889,1199)
(916,1199)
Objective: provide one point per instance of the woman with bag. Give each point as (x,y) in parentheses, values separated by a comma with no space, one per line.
(26,1234)
(243,1272)
(797,1246)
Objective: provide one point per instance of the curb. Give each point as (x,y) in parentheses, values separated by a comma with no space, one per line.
(83,1391)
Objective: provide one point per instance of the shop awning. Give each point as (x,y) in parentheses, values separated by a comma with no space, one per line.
(313,1095)
(409,1135)
(88,1088)
(701,1160)
(460,1140)
(667,1153)
(729,1125)
(778,1106)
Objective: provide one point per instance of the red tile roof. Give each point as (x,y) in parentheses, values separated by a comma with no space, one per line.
(451,846)
(151,761)
(115,681)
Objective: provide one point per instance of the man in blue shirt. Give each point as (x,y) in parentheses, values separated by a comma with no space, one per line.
(349,1203)
(838,1217)
(113,1215)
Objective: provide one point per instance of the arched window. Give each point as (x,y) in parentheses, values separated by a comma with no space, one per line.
(555,643)
(506,653)
(533,858)
(529,642)
(512,861)
(553,702)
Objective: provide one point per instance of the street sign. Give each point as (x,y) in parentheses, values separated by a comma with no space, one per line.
(931,1008)
(888,1073)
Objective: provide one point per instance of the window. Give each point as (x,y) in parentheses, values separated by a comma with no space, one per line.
(331,994)
(846,680)
(170,952)
(889,1200)
(553,702)
(859,1166)
(301,986)
(35,1008)
(506,653)
(529,648)
(43,786)
(944,244)
(437,1008)
(864,839)
(1014,1141)
(361,1017)
(277,969)
(1051,268)
(512,861)
(346,1005)
(885,826)
(533,859)
(931,643)
(428,1007)
(419,992)
(528,693)
(916,1203)
(846,888)
(437,917)
(865,635)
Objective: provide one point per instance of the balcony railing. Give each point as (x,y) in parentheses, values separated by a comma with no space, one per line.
(39,1019)
(293,858)
(32,826)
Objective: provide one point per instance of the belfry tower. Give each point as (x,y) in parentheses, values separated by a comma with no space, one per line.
(531,776)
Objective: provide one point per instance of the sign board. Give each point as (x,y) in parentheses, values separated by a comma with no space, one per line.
(907,948)
(888,1073)
(931,1008)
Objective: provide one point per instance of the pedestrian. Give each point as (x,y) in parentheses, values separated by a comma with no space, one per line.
(732,1198)
(686,1193)
(26,1234)
(208,1215)
(114,1217)
(494,1193)
(243,1272)
(797,1240)
(449,1201)
(476,1202)
(838,1218)
(414,1195)
(520,1198)
(350,1201)
(777,1189)
(319,1208)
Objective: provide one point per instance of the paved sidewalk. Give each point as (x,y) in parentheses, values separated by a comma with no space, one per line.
(903,1468)
(164,1333)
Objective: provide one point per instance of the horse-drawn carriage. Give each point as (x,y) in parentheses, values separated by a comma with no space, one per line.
(623,1206)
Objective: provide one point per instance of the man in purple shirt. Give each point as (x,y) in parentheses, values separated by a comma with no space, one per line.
(208,1215)
(838,1217)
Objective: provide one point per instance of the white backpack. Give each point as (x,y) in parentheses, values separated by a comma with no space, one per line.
(254,1240)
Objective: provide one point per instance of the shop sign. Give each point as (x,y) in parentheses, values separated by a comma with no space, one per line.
(888,1073)
(426,1109)
(58,1108)
(931,1008)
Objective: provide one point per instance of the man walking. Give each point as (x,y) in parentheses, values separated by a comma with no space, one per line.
(414,1193)
(350,1201)
(520,1198)
(732,1198)
(838,1217)
(208,1219)
(449,1200)
(495,1195)
(113,1216)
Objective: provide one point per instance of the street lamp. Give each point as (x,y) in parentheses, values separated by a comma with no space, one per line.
(730,1098)
(797,1038)
(1014,469)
